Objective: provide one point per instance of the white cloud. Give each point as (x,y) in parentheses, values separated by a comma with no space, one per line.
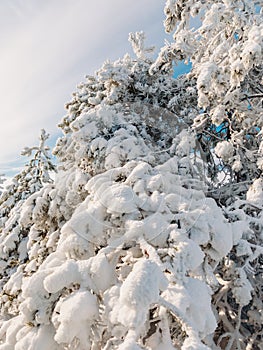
(47,48)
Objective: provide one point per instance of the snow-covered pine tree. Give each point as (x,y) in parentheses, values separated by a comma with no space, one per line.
(141,256)
(14,237)
(33,176)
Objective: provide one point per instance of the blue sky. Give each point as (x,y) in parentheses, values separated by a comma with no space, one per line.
(47,47)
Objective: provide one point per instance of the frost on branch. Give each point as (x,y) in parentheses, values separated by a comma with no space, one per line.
(137,40)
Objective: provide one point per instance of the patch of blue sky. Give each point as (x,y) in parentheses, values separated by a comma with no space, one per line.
(258,8)
(182,68)
(236,36)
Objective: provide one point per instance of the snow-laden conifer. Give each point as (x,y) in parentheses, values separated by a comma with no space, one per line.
(135,245)
(33,180)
